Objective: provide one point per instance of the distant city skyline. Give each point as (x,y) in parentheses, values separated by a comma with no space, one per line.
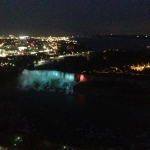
(74,17)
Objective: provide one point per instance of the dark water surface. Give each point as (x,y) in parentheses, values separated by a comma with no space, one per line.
(45,104)
(98,44)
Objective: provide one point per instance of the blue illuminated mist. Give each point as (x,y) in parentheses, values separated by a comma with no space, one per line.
(50,81)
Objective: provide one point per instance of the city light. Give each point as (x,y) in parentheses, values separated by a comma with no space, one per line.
(23,37)
(140,67)
(64,147)
(24,45)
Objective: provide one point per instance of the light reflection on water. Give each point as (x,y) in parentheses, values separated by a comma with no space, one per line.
(47,80)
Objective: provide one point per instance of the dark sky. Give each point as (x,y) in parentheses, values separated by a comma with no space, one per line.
(72,17)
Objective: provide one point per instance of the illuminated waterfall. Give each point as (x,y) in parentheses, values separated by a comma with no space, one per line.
(45,80)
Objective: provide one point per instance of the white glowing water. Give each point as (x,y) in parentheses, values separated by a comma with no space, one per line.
(45,80)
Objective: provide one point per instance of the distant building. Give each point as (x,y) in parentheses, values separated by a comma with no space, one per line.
(12,37)
(23,40)
(70,46)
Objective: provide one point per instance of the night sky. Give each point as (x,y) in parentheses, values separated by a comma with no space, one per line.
(73,17)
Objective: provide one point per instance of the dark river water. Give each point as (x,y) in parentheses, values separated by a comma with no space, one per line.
(46,104)
(98,44)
